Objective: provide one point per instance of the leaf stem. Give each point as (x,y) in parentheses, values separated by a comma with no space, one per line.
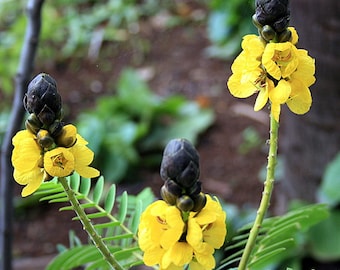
(266,195)
(88,225)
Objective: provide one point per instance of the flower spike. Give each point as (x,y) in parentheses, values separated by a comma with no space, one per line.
(186,226)
(47,148)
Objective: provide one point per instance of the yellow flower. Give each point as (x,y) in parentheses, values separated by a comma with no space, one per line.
(280,59)
(33,164)
(172,243)
(295,38)
(27,162)
(278,72)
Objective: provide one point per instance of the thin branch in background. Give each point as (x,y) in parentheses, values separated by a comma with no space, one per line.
(21,81)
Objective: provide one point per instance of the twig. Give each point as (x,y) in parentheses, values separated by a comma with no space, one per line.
(25,69)
(266,195)
(88,227)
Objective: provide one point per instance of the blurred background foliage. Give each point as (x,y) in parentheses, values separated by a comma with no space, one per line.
(79,29)
(130,121)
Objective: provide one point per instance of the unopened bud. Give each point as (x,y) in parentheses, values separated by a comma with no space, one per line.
(43,99)
(44,139)
(194,189)
(33,124)
(185,203)
(267,33)
(275,13)
(180,162)
(167,196)
(199,202)
(286,35)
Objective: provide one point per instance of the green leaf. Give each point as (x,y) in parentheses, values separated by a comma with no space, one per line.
(75,181)
(123,206)
(85,186)
(110,199)
(277,237)
(330,185)
(324,238)
(98,190)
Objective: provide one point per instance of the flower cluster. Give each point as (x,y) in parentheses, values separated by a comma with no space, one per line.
(172,243)
(186,226)
(277,71)
(47,148)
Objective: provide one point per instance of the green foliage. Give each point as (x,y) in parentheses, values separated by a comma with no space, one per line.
(136,122)
(12,31)
(116,225)
(228,22)
(251,140)
(69,28)
(4,118)
(324,238)
(277,239)
(330,186)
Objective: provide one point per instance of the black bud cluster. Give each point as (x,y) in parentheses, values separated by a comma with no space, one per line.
(272,19)
(180,172)
(43,102)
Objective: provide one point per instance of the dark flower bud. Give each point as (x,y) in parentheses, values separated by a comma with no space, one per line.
(180,162)
(33,124)
(189,175)
(44,139)
(275,13)
(286,35)
(199,202)
(185,203)
(56,128)
(170,191)
(167,196)
(194,189)
(267,33)
(43,99)
(173,187)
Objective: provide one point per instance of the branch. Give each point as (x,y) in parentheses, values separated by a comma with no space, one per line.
(25,69)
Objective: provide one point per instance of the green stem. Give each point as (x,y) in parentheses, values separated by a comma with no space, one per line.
(268,188)
(88,225)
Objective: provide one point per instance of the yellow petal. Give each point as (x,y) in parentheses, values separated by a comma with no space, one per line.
(68,136)
(31,187)
(153,256)
(268,62)
(301,99)
(262,97)
(194,233)
(26,152)
(82,154)
(179,254)
(208,261)
(305,69)
(295,38)
(261,100)
(280,93)
(194,265)
(59,162)
(23,178)
(275,111)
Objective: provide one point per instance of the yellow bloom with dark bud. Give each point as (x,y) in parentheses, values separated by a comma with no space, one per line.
(33,163)
(172,243)
(278,72)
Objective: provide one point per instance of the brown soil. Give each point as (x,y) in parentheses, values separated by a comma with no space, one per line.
(178,64)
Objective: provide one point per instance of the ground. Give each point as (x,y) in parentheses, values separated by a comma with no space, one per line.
(176,62)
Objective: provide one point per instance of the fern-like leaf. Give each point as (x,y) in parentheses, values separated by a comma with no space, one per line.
(276,238)
(116,221)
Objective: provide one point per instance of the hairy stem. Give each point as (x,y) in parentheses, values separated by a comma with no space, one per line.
(25,69)
(88,225)
(266,195)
